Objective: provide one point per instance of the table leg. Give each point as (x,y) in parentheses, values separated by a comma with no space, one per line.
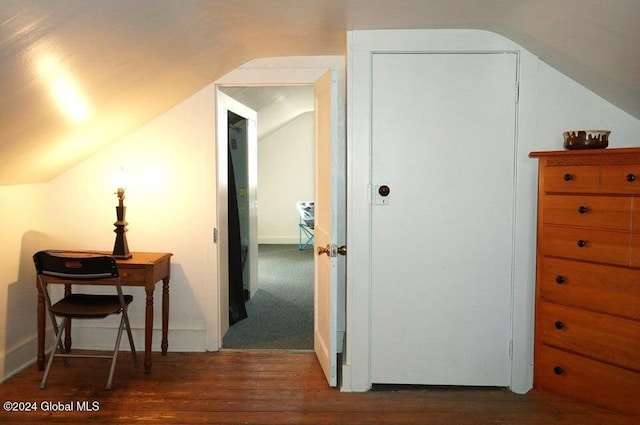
(165,316)
(148,330)
(41,321)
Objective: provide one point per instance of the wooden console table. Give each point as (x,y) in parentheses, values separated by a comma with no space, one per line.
(142,269)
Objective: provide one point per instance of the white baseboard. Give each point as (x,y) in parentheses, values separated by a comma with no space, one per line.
(18,357)
(347,385)
(21,356)
(103,338)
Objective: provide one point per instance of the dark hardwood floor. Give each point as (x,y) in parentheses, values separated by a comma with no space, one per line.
(265,388)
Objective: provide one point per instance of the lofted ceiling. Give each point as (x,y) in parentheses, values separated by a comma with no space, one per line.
(117,64)
(275,106)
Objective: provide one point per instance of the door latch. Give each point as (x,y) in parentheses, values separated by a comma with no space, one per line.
(332,250)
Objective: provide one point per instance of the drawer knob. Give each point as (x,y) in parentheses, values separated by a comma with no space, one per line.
(558,370)
(631,177)
(582,209)
(559,324)
(560,279)
(567,177)
(582,243)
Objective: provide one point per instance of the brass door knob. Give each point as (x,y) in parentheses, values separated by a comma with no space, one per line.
(332,251)
(325,250)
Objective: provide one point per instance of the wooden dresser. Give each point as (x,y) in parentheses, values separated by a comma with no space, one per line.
(587,323)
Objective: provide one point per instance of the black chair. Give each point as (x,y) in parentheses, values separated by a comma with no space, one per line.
(79,268)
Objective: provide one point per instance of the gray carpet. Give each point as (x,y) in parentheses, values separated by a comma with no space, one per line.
(281,311)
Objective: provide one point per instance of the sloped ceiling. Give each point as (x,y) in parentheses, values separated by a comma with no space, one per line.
(276,106)
(120,63)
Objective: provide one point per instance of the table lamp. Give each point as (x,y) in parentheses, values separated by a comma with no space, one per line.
(121,248)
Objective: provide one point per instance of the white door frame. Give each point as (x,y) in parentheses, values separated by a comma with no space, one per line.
(360,46)
(265,72)
(224,104)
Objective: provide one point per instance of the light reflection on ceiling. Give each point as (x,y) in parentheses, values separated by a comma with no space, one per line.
(64,90)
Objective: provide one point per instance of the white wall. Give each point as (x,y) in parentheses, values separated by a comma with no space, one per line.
(550,103)
(285,176)
(170,202)
(22,217)
(565,105)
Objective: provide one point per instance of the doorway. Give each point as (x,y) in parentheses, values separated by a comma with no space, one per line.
(327,75)
(280,305)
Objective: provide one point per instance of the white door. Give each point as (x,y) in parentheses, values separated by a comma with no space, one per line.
(226,104)
(442,218)
(329,226)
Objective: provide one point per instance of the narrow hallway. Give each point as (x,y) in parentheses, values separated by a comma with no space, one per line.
(280,313)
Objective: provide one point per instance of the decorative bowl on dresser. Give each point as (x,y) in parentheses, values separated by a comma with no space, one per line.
(586,139)
(587,320)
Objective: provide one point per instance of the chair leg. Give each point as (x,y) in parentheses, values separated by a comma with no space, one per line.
(307,234)
(57,346)
(54,323)
(115,354)
(125,316)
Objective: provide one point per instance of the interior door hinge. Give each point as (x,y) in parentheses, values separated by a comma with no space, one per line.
(511,349)
(215,235)
(517,91)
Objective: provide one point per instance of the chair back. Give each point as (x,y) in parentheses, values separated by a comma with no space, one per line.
(306,212)
(71,265)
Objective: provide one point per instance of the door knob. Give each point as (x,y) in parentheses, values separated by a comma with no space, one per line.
(332,251)
(384,190)
(325,250)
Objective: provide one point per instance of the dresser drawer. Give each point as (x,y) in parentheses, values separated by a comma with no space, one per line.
(613,290)
(602,246)
(585,379)
(635,250)
(620,179)
(635,215)
(596,335)
(572,178)
(603,212)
